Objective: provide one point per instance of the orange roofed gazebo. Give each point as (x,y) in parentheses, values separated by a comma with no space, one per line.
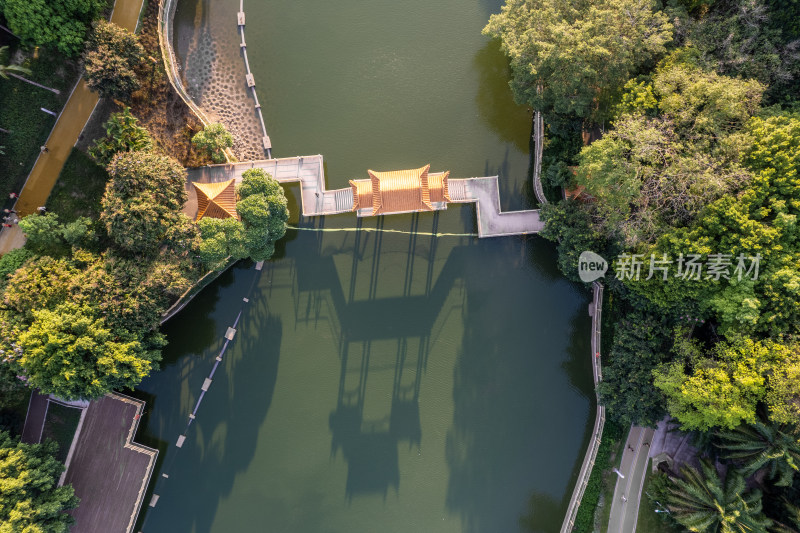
(400,191)
(216,200)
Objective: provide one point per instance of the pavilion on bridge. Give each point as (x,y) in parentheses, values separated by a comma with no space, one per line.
(400,191)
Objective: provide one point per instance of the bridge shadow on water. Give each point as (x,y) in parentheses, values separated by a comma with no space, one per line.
(385,317)
(364,318)
(499,438)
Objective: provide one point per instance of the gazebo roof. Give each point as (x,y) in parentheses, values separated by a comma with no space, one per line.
(437,182)
(216,200)
(400,191)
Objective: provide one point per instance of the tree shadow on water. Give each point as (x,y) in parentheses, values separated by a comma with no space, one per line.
(511,122)
(222,440)
(509,438)
(543,516)
(183,340)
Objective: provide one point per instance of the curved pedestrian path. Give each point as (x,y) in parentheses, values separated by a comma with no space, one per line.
(595,310)
(62,138)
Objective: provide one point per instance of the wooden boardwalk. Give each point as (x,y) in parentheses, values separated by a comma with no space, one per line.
(316,200)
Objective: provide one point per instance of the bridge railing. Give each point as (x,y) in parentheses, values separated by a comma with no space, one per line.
(538,140)
(600,417)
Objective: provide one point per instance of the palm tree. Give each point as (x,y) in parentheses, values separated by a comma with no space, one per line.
(702,503)
(792,515)
(16,70)
(772,447)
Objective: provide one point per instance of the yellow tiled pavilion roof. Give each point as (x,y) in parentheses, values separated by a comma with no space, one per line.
(216,200)
(362,193)
(437,182)
(399,191)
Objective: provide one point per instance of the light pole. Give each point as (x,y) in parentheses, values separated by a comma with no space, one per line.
(617,472)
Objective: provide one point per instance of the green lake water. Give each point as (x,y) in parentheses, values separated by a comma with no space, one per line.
(378,382)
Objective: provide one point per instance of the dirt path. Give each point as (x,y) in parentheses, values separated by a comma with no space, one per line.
(62,138)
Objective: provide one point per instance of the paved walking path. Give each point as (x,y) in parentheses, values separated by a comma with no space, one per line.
(34,420)
(62,138)
(628,492)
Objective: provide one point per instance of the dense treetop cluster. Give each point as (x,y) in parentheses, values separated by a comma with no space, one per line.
(692,106)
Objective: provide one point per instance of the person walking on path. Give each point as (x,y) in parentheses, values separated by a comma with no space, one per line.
(44,149)
(41,210)
(13,196)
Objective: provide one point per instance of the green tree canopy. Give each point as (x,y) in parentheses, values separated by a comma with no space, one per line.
(73,353)
(143,201)
(214,139)
(673,150)
(640,345)
(11,261)
(44,233)
(30,500)
(263,207)
(570,59)
(111,55)
(570,225)
(60,24)
(760,221)
(725,389)
(220,239)
(747,39)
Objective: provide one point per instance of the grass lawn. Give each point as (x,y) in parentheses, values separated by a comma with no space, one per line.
(21,114)
(649,521)
(79,188)
(60,425)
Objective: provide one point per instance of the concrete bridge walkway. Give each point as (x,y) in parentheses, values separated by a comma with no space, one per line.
(316,200)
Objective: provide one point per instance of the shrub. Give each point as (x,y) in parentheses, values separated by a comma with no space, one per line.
(123,134)
(11,261)
(214,139)
(110,58)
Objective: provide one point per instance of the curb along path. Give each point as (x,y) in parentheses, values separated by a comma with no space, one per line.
(62,138)
(595,310)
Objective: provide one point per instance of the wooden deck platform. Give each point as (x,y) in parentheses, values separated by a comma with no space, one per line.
(316,200)
(109,471)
